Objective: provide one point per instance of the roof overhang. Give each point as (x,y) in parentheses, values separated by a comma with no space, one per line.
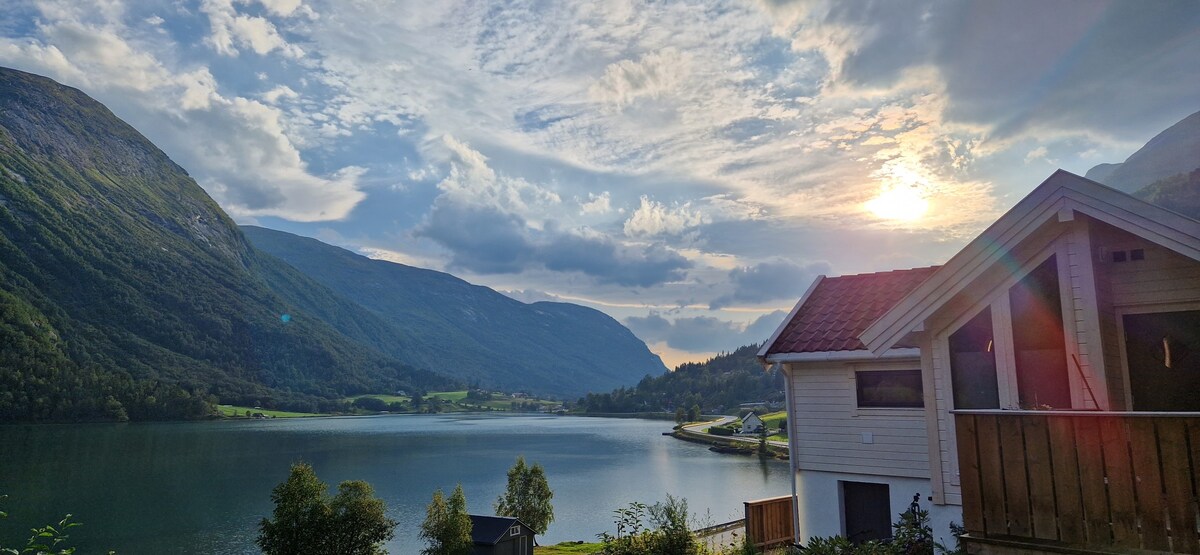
(1060,196)
(845,356)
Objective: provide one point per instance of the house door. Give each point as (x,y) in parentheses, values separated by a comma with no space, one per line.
(867,511)
(1163,355)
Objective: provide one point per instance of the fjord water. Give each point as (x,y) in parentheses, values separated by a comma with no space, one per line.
(202,487)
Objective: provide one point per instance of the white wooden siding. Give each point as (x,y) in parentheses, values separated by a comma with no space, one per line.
(829,426)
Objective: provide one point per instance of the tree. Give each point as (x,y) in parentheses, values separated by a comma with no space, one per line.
(447,526)
(305,520)
(680,415)
(527,497)
(694,413)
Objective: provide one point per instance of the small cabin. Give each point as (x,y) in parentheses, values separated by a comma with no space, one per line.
(500,535)
(751,424)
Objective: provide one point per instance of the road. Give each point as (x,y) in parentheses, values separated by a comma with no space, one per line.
(699,427)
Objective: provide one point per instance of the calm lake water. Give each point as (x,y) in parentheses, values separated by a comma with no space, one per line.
(203,487)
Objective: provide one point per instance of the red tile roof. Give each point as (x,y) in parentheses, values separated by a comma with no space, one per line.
(840,308)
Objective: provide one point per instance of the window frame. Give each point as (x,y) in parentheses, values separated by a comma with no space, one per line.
(857,372)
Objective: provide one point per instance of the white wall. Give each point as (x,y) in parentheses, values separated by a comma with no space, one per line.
(821,511)
(832,434)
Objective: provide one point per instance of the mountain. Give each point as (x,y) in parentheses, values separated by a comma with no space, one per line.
(1170,153)
(446,324)
(719,384)
(125,291)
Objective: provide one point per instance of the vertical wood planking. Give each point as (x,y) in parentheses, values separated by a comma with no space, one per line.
(1119,470)
(991,477)
(1041,477)
(1067,492)
(1016,481)
(1177,484)
(1093,490)
(1147,481)
(968,465)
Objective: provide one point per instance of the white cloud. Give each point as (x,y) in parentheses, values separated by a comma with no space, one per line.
(281,91)
(596,204)
(231,30)
(654,218)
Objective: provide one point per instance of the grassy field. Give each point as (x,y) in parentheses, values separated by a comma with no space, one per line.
(455,396)
(772,420)
(384,398)
(230,411)
(567,547)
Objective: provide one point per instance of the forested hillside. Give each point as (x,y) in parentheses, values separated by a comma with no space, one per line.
(718,384)
(441,322)
(125,291)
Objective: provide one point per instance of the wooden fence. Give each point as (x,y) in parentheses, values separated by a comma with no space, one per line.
(1094,480)
(769,521)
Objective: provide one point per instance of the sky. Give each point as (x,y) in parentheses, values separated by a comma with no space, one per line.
(688,167)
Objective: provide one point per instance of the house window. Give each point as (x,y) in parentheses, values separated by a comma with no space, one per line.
(973,364)
(1039,349)
(514,531)
(889,389)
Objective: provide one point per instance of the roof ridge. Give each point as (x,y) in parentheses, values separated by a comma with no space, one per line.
(881,272)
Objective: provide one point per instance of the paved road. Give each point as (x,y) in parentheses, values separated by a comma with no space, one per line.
(699,428)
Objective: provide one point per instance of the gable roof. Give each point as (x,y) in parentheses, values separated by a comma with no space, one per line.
(1059,196)
(834,311)
(489,530)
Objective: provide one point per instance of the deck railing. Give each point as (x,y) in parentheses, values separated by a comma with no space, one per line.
(1094,480)
(769,521)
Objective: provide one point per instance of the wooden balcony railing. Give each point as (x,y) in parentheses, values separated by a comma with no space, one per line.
(769,521)
(1098,481)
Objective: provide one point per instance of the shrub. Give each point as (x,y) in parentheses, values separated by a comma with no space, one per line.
(720,431)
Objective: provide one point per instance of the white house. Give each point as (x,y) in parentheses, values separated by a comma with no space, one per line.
(751,424)
(1079,298)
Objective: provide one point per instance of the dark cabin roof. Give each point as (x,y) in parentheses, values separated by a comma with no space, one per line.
(489,530)
(840,308)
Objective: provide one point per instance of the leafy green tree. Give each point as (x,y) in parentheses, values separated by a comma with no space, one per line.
(680,415)
(527,497)
(305,520)
(447,526)
(694,413)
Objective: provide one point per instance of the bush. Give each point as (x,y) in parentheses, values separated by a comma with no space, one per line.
(720,431)
(911,535)
(373,404)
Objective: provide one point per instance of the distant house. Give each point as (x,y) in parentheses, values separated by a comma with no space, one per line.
(500,535)
(1040,387)
(751,424)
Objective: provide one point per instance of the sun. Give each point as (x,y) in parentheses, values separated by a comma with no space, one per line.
(902,203)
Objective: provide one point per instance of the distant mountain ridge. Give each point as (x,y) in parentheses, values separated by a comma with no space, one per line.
(126,292)
(472,331)
(1174,151)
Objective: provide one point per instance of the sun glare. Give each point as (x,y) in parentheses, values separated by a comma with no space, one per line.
(905,203)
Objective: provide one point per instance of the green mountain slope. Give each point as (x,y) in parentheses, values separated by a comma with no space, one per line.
(718,384)
(451,326)
(124,289)
(1180,193)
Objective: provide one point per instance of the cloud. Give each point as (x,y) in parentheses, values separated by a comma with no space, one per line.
(655,218)
(484,219)
(596,204)
(230,30)
(703,334)
(771,280)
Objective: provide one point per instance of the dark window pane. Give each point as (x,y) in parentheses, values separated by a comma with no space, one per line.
(1041,356)
(892,388)
(973,364)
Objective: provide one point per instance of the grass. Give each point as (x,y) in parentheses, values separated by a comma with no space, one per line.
(384,398)
(773,419)
(231,411)
(567,547)
(448,395)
